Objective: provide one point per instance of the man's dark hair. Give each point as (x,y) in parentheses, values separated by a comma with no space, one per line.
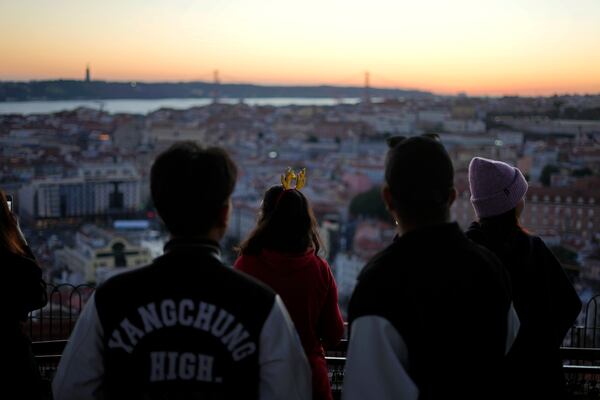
(420,176)
(190,185)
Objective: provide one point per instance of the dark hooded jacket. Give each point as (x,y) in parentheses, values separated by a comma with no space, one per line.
(24,291)
(547,306)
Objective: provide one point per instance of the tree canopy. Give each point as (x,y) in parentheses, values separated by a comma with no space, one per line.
(369,204)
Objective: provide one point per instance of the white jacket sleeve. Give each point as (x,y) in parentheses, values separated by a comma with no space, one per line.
(512,327)
(284,369)
(81,368)
(377,362)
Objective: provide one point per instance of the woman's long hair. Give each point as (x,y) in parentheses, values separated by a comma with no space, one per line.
(286,223)
(10,238)
(502,226)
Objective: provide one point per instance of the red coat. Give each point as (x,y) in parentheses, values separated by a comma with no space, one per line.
(306,286)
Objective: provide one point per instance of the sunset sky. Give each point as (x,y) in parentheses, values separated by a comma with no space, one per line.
(529,47)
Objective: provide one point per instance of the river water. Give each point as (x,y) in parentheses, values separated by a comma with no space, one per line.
(144,106)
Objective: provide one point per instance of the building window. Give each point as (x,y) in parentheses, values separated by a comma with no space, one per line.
(119,254)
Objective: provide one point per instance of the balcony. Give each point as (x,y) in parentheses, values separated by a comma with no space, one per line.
(50,328)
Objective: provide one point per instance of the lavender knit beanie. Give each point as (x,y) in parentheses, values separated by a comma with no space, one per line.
(496,187)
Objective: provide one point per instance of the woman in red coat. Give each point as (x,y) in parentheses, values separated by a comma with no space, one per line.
(282,252)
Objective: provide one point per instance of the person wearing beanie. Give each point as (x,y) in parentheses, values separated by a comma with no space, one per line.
(543,296)
(432,305)
(496,187)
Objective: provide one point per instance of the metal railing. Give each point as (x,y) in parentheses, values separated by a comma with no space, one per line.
(583,381)
(587,334)
(50,327)
(55,321)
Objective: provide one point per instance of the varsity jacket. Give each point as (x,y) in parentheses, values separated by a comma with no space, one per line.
(185,326)
(430,318)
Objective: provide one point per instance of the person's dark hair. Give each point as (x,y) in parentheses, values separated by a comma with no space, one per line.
(286,223)
(502,226)
(420,177)
(392,141)
(10,237)
(190,185)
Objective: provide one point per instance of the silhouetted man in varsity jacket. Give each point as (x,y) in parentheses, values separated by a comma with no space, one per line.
(431,315)
(185,326)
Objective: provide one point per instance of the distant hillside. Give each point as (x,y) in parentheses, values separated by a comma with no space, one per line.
(80,90)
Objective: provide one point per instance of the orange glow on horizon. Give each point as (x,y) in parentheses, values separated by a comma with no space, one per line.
(524,47)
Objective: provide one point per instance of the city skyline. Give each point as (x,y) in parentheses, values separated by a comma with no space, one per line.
(497,48)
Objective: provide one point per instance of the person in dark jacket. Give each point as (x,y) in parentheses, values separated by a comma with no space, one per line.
(186,326)
(23,291)
(544,298)
(282,252)
(431,314)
